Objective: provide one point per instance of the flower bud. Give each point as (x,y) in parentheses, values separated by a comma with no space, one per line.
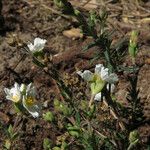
(23,89)
(133,44)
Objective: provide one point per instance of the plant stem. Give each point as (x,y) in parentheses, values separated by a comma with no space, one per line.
(113,108)
(133,144)
(17,121)
(91,100)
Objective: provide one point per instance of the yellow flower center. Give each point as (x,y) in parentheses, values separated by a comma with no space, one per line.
(96,77)
(16,98)
(30,101)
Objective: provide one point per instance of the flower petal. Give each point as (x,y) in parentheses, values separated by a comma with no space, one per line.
(112,78)
(98,69)
(86,75)
(39,41)
(112,87)
(30,46)
(34,110)
(23,88)
(8,97)
(16,86)
(98,97)
(31,91)
(104,73)
(37,46)
(7,91)
(14,93)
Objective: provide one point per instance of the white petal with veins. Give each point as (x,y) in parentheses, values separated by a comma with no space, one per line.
(86,75)
(13,94)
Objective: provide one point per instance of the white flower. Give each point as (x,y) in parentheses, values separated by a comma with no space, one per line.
(14,94)
(29,101)
(100,72)
(25,96)
(99,78)
(37,46)
(99,95)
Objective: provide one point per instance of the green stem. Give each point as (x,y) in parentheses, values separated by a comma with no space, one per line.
(91,100)
(132,144)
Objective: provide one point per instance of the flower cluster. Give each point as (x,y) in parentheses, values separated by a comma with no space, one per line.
(98,79)
(24,95)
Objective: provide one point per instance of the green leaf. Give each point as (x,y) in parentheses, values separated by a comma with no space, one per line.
(89,46)
(46,144)
(56,102)
(56,148)
(37,62)
(48,116)
(15,135)
(78,118)
(10,131)
(7,144)
(64,146)
(74,131)
(133,136)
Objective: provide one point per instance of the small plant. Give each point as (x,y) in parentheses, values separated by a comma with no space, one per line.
(11,137)
(98,80)
(96,120)
(48,116)
(47,144)
(133,139)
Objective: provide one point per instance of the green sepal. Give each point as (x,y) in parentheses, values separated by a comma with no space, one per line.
(97,86)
